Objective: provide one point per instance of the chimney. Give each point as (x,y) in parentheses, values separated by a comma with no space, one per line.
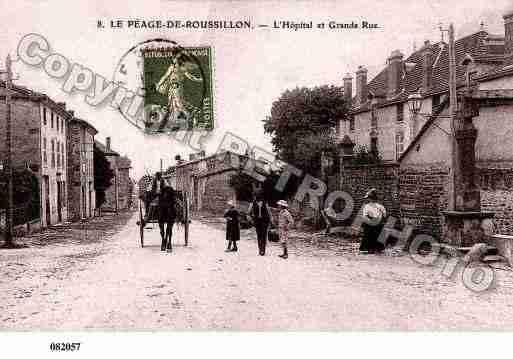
(361,85)
(427,66)
(508,33)
(348,89)
(107,144)
(394,72)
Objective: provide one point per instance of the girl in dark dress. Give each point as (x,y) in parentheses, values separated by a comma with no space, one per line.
(232,227)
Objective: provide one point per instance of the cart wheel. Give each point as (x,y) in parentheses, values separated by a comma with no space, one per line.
(141,226)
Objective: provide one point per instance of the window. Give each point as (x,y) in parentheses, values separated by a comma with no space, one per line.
(44,116)
(58,154)
(351,123)
(45,158)
(62,153)
(400,112)
(53,153)
(399,144)
(63,193)
(58,124)
(51,119)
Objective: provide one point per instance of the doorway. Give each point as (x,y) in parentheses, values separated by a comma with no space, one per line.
(46,184)
(59,201)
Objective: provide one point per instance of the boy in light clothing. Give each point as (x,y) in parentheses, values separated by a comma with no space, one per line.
(285,223)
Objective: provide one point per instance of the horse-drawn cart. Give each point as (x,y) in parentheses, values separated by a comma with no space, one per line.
(148,216)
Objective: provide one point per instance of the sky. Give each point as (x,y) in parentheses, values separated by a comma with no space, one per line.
(251,67)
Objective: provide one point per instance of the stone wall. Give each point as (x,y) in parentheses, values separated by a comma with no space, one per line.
(424,192)
(423,196)
(496,183)
(357,180)
(217,192)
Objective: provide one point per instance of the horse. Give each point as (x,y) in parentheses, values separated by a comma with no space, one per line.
(166,216)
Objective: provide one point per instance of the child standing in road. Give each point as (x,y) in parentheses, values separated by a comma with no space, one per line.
(285,223)
(232,227)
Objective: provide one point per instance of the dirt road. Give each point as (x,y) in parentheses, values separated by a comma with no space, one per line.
(114,284)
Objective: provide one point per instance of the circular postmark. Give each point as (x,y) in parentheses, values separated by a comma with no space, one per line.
(172,86)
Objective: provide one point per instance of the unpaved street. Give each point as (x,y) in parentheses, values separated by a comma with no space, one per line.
(114,284)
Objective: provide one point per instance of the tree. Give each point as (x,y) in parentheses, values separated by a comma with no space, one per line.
(363,156)
(302,125)
(25,195)
(103,175)
(243,184)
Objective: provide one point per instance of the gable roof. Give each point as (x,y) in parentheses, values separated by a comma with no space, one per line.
(258,165)
(480,46)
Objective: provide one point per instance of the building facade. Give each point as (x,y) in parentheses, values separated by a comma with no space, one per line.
(81,192)
(118,195)
(39,142)
(124,182)
(419,145)
(206,179)
(111,203)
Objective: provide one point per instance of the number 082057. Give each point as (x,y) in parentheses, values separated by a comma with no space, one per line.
(65,347)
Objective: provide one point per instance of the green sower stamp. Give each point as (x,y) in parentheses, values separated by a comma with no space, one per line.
(178,89)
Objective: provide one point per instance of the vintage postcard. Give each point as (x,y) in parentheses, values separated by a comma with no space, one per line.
(170,168)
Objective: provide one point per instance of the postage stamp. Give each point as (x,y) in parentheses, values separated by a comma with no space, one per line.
(178,89)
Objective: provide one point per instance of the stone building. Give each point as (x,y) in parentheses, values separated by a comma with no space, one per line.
(81,193)
(111,203)
(417,147)
(117,196)
(207,179)
(125,185)
(39,142)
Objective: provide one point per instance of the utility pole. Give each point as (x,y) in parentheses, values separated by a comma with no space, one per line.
(8,162)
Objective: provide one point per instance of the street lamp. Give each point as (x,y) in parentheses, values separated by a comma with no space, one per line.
(415,103)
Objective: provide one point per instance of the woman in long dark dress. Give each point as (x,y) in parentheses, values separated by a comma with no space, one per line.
(374,214)
(232,227)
